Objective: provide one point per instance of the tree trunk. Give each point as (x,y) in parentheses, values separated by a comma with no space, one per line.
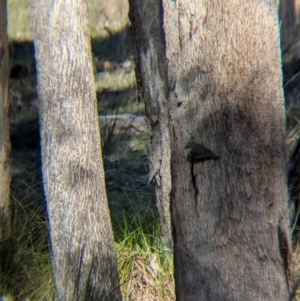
(288,28)
(148,34)
(210,72)
(5,175)
(82,243)
(294,191)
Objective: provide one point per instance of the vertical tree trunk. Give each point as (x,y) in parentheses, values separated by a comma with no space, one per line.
(294,191)
(5,175)
(148,34)
(81,236)
(213,70)
(288,28)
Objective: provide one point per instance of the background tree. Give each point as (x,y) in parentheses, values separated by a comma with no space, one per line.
(81,236)
(210,71)
(148,34)
(289,30)
(5,175)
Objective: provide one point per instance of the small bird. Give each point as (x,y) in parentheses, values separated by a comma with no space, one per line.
(200,152)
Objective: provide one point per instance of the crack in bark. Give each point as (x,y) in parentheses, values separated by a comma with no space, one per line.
(294,291)
(285,252)
(194,178)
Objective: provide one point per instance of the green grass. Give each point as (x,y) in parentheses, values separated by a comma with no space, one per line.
(145,266)
(142,258)
(115,81)
(26,264)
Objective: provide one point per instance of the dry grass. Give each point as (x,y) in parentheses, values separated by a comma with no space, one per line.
(148,281)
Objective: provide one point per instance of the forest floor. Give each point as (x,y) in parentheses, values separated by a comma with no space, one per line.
(145,265)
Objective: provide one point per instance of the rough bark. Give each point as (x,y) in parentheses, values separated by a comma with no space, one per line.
(5,175)
(82,243)
(211,73)
(151,64)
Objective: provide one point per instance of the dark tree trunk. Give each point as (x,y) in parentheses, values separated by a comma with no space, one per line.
(82,243)
(288,28)
(5,174)
(210,72)
(149,35)
(294,190)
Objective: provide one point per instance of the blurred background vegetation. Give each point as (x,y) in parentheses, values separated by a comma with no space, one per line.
(145,265)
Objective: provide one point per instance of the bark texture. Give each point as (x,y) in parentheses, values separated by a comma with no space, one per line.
(153,88)
(216,76)
(5,175)
(82,243)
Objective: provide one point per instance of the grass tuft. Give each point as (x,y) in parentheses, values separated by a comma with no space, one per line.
(25,259)
(145,265)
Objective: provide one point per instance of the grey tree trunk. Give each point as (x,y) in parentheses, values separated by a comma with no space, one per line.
(82,243)
(5,174)
(210,72)
(149,35)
